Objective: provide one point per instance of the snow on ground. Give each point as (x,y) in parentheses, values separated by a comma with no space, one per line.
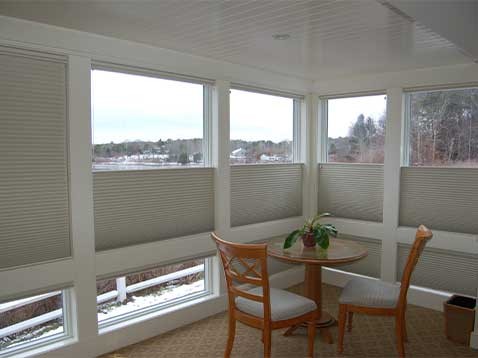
(32,335)
(140,302)
(135,303)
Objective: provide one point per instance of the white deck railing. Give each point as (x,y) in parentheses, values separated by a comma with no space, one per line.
(119,294)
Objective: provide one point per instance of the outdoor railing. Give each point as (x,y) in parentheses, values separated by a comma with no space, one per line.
(119,295)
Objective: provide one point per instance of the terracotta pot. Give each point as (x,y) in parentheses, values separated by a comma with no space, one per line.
(308,240)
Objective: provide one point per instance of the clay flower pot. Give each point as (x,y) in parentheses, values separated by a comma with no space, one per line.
(308,240)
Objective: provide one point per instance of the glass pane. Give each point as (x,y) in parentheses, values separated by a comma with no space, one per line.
(444,128)
(152,288)
(144,122)
(30,320)
(356,129)
(261,128)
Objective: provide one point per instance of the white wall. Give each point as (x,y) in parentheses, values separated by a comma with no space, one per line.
(80,271)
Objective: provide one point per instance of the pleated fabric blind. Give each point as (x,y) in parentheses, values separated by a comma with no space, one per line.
(352,191)
(266,192)
(135,207)
(370,265)
(34,210)
(442,270)
(440,198)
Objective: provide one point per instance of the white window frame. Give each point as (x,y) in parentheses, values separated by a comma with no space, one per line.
(298,117)
(159,309)
(207,84)
(323,135)
(37,344)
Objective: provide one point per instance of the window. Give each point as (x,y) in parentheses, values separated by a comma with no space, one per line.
(443,128)
(32,321)
(356,129)
(142,122)
(261,128)
(139,293)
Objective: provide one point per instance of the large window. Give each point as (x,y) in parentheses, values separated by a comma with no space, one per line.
(142,122)
(356,129)
(443,128)
(261,128)
(31,321)
(138,293)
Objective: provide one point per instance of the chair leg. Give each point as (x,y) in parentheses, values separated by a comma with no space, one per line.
(350,316)
(230,337)
(311,336)
(399,333)
(267,342)
(342,319)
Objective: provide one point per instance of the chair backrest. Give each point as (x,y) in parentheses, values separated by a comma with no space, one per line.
(245,264)
(421,238)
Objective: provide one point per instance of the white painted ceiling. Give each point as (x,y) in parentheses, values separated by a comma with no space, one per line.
(328,38)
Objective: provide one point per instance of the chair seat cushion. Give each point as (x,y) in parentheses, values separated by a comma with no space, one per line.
(284,304)
(370,293)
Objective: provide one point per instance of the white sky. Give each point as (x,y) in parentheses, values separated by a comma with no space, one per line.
(256,116)
(130,107)
(343,112)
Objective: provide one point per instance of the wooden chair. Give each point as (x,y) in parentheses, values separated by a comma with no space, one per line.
(262,307)
(381,298)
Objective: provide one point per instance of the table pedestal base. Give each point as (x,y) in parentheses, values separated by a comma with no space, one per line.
(322,324)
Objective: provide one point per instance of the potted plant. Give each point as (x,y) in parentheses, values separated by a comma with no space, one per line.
(312,233)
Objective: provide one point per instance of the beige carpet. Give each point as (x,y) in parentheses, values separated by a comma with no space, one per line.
(371,337)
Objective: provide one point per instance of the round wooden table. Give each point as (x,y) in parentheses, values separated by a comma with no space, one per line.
(339,252)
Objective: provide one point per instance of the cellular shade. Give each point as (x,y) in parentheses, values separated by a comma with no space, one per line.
(267,192)
(440,198)
(34,210)
(135,207)
(353,191)
(445,270)
(370,265)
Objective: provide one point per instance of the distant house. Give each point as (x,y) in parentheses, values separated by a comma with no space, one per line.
(270,158)
(238,153)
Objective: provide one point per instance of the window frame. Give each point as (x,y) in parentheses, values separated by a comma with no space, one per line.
(298,117)
(207,120)
(37,344)
(159,309)
(407,118)
(323,127)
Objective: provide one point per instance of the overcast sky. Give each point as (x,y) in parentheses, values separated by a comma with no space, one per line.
(130,107)
(343,112)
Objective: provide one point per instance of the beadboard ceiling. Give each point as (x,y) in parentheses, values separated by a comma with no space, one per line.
(328,38)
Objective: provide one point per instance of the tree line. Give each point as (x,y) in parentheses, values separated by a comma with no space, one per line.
(443,131)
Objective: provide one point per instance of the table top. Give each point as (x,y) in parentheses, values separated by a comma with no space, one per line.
(339,252)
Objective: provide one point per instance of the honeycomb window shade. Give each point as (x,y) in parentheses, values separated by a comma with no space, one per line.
(441,269)
(265,192)
(352,191)
(34,215)
(141,206)
(440,198)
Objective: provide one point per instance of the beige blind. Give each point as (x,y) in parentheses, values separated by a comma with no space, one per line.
(353,191)
(265,192)
(440,198)
(442,270)
(370,265)
(34,210)
(135,207)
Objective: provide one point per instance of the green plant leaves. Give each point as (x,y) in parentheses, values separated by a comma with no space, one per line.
(292,238)
(321,232)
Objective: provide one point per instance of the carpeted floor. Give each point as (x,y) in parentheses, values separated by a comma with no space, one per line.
(370,337)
